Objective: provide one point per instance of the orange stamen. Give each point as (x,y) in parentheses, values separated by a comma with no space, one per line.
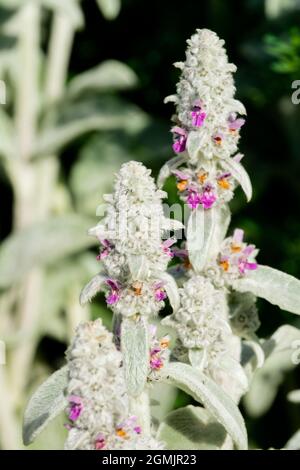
(202,177)
(223,183)
(181,185)
(137,288)
(121,433)
(218,140)
(164,343)
(225,265)
(187,264)
(235,248)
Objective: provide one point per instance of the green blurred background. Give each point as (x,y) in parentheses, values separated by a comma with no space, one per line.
(263,40)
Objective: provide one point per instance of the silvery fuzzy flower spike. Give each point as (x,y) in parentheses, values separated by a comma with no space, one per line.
(208,122)
(134,260)
(133,253)
(207,114)
(98,407)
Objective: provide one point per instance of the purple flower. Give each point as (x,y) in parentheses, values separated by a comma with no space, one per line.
(244,265)
(238,236)
(100,442)
(180,175)
(180,253)
(218,138)
(107,247)
(156,362)
(76,407)
(208,199)
(180,138)
(235,123)
(166,246)
(114,295)
(160,293)
(193,199)
(198,116)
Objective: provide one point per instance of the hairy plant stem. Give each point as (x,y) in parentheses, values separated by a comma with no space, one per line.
(140,407)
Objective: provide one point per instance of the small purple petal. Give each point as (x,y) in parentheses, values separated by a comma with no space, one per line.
(112,298)
(180,175)
(224,175)
(158,285)
(207,199)
(180,253)
(232,117)
(251,266)
(179,145)
(248,250)
(178,130)
(76,407)
(236,124)
(137,429)
(198,117)
(238,235)
(180,135)
(160,295)
(112,284)
(193,199)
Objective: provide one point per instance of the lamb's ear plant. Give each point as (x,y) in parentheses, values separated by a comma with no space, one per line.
(212,287)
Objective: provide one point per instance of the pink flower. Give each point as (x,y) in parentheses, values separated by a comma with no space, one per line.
(235,123)
(76,407)
(114,295)
(180,138)
(218,138)
(198,116)
(244,265)
(156,362)
(166,246)
(181,175)
(160,293)
(207,199)
(193,199)
(107,247)
(100,442)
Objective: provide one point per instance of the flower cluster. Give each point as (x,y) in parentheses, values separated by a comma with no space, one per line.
(136,297)
(98,409)
(205,101)
(134,223)
(236,258)
(201,320)
(132,250)
(206,185)
(207,127)
(159,352)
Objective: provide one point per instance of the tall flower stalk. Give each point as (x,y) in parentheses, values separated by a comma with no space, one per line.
(212,286)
